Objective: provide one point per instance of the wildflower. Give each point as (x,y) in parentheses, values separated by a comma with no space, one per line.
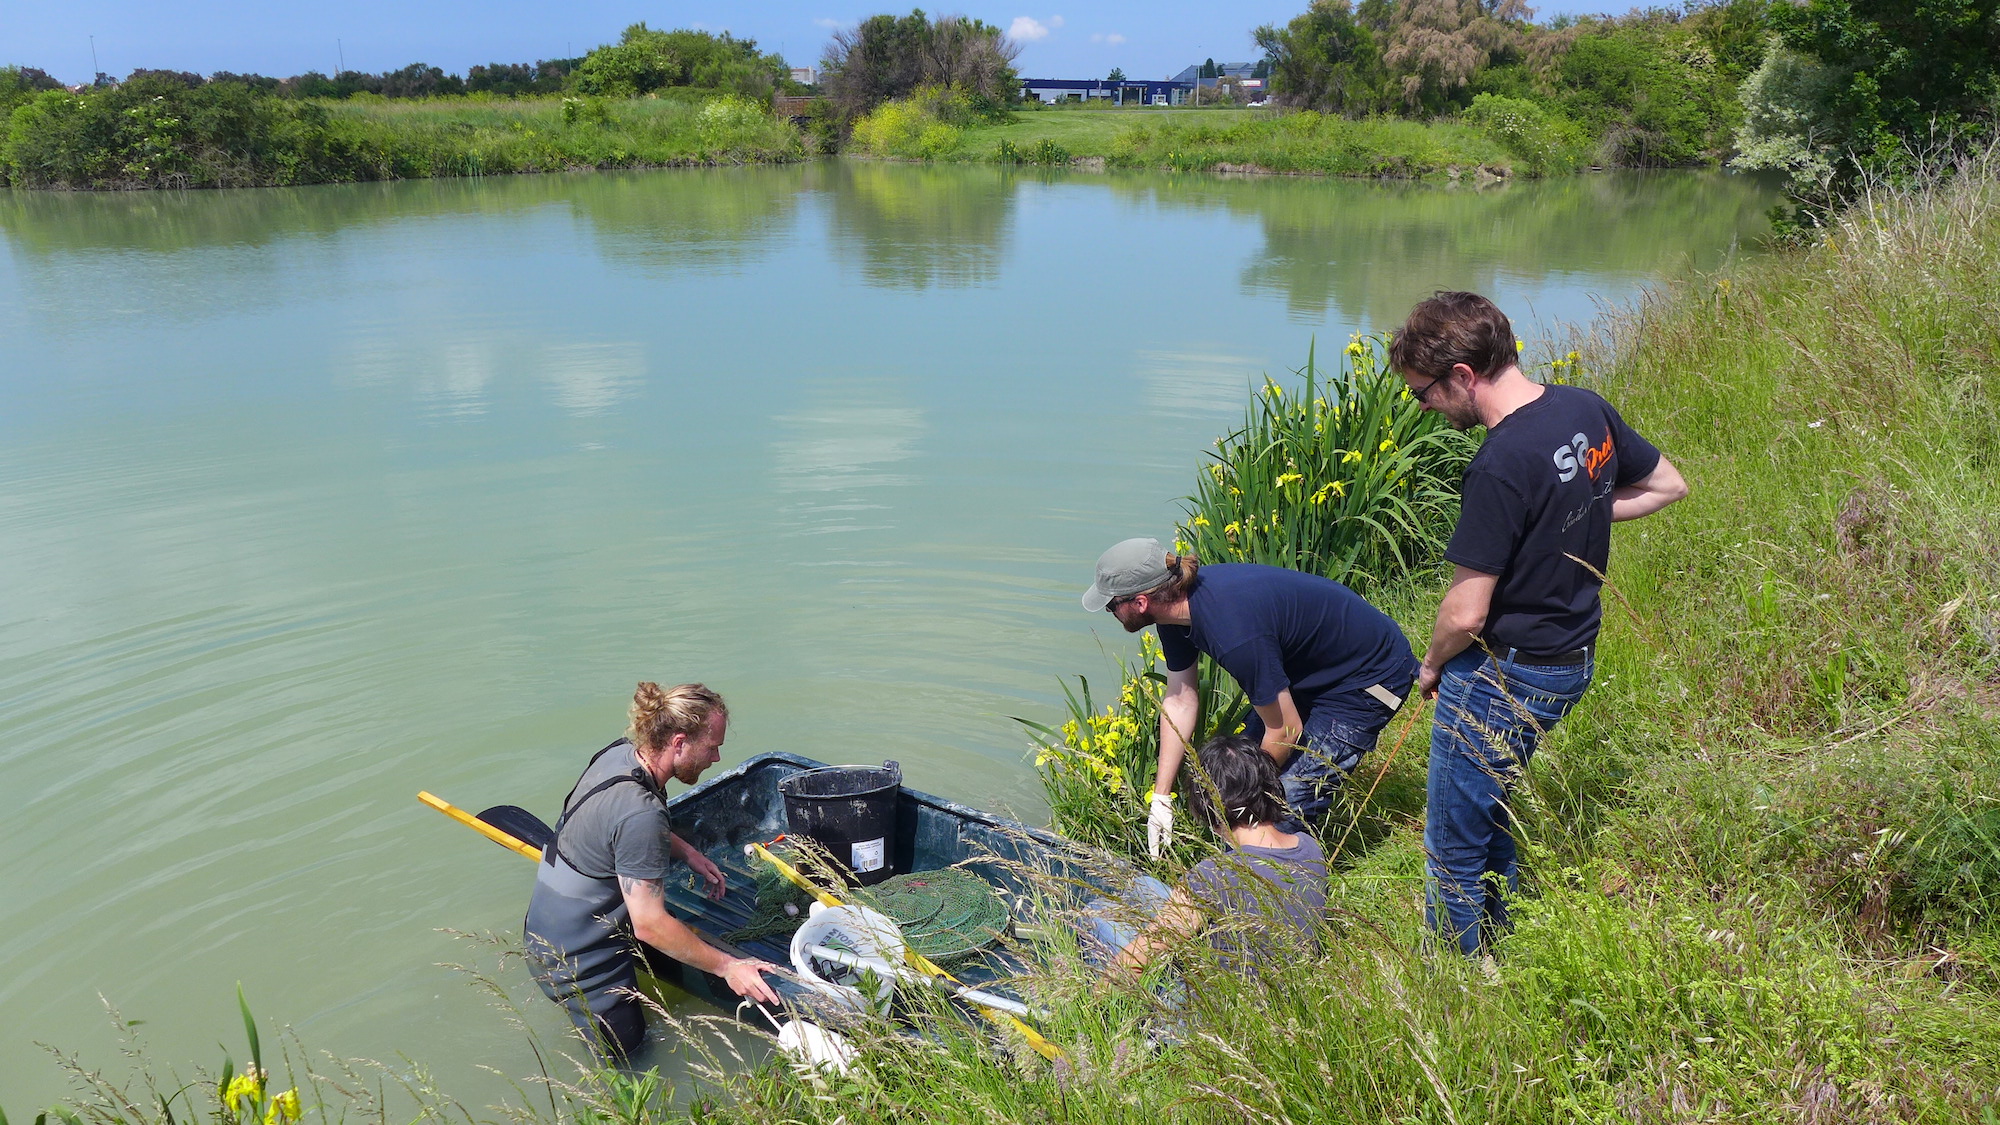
(1351,456)
(1231,528)
(1288,478)
(1330,488)
(1198,521)
(246,1086)
(284,1107)
(1388,446)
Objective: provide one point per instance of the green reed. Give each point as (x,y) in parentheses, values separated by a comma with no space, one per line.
(1342,474)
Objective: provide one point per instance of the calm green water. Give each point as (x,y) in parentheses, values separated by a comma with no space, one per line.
(313,498)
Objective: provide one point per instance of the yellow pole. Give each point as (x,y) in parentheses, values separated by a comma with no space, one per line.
(480,826)
(917,960)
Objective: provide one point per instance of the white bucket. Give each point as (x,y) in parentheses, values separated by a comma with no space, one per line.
(849,929)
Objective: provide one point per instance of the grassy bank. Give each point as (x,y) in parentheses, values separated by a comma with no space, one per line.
(152,133)
(1764,852)
(1204,140)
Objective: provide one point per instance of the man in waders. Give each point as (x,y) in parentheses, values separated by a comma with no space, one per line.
(1324,670)
(1516,634)
(601,882)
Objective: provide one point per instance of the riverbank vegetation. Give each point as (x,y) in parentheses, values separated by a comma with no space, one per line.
(1763,854)
(157,131)
(653,99)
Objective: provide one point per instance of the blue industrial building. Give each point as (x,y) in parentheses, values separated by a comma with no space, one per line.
(1129,91)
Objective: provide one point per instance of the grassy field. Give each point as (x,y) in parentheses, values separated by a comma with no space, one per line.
(1764,852)
(1184,139)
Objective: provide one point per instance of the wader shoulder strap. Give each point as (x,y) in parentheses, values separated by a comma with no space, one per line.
(638,777)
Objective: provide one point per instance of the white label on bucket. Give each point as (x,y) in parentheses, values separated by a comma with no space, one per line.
(867,855)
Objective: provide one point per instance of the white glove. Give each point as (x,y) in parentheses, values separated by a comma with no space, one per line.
(1159,823)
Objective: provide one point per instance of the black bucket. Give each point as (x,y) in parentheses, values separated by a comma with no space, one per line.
(851,812)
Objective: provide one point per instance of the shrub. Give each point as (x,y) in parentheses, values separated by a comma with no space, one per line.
(1545,142)
(924,126)
(1347,477)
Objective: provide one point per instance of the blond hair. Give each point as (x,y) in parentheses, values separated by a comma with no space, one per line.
(658,714)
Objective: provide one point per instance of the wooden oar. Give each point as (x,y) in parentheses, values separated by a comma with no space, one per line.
(917,960)
(492,832)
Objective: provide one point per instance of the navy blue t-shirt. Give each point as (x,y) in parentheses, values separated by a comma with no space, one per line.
(1273,629)
(1538,492)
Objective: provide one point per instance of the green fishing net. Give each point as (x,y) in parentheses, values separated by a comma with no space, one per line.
(948,915)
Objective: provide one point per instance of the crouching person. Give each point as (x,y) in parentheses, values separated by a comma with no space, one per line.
(1260,903)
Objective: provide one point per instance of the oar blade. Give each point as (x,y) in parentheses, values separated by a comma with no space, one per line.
(519,823)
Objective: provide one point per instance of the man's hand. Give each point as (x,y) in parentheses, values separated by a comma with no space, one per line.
(745,975)
(1427,681)
(1159,824)
(718,883)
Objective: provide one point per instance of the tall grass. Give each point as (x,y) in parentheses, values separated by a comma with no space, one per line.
(155,134)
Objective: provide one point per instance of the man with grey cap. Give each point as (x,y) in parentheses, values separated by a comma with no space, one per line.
(1324,670)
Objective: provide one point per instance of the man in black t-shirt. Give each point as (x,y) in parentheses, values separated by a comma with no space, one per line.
(1515,640)
(1324,670)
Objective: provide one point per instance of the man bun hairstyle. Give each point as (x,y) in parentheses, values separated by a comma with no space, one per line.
(1454,327)
(1182,574)
(1239,784)
(658,714)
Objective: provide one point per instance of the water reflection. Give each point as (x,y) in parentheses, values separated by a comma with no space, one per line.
(590,379)
(1370,250)
(841,443)
(920,227)
(704,217)
(1195,385)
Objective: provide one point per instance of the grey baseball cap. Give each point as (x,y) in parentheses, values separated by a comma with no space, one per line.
(1132,567)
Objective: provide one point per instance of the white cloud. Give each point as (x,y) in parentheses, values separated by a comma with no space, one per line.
(1027,29)
(1113,39)
(1055,21)
(829,24)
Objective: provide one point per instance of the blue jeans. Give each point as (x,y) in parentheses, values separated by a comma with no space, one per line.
(1329,749)
(1111,926)
(1491,715)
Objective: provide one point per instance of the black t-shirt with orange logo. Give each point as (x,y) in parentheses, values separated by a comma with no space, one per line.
(1537,498)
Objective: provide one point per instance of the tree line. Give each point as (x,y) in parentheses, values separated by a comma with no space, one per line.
(1829,91)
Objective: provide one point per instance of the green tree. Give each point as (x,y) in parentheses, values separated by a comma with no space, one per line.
(644,60)
(1208,69)
(1904,74)
(1650,88)
(886,57)
(1325,59)
(1434,47)
(1117,74)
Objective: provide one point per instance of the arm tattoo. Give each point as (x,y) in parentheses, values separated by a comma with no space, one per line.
(632,887)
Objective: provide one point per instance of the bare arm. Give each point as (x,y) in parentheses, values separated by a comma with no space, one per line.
(1282,727)
(1461,615)
(717,882)
(1657,489)
(1180,710)
(1179,919)
(645,900)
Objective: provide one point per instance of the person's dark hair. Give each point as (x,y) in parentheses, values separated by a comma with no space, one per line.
(1183,571)
(1240,786)
(1450,328)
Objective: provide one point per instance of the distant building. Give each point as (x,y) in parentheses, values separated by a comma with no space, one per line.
(1192,74)
(1130,91)
(805,75)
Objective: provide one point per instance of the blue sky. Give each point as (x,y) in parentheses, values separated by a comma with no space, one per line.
(1151,39)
